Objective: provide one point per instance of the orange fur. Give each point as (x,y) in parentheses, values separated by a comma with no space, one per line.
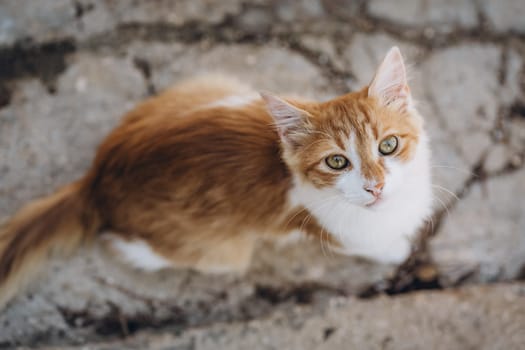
(198,182)
(58,223)
(331,122)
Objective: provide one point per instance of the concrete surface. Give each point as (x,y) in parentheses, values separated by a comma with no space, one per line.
(69,69)
(431,320)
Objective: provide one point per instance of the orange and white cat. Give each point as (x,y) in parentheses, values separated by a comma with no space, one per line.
(195,176)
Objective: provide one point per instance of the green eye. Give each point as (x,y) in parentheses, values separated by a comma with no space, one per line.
(388,145)
(337,162)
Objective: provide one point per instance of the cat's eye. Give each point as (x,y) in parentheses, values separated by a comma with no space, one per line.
(337,162)
(388,145)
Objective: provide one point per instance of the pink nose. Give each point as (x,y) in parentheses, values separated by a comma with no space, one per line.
(375,190)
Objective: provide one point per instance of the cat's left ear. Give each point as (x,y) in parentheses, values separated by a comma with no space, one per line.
(290,120)
(390,85)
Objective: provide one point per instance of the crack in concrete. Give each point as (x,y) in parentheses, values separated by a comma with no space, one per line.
(22,60)
(230,31)
(431,39)
(337,77)
(144,67)
(264,301)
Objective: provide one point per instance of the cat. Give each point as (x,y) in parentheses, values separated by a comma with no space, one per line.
(194,177)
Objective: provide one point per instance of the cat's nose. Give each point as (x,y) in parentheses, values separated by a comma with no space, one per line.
(376,189)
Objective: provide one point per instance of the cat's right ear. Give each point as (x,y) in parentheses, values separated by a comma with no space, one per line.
(289,120)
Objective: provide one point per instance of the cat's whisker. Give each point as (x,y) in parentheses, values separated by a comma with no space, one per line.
(305,208)
(446,190)
(466,171)
(329,245)
(442,204)
(340,231)
(294,216)
(307,218)
(305,221)
(323,232)
(322,243)
(326,247)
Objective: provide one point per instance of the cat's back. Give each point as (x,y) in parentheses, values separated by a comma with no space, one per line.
(214,114)
(191,94)
(204,139)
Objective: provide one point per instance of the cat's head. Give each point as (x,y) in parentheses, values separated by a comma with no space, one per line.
(362,145)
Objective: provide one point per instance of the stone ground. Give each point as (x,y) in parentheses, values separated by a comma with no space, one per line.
(69,69)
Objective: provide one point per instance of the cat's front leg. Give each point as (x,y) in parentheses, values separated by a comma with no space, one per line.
(228,255)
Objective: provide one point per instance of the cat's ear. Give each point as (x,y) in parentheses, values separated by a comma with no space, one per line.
(288,119)
(390,85)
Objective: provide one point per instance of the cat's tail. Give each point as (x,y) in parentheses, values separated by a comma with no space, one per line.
(58,223)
